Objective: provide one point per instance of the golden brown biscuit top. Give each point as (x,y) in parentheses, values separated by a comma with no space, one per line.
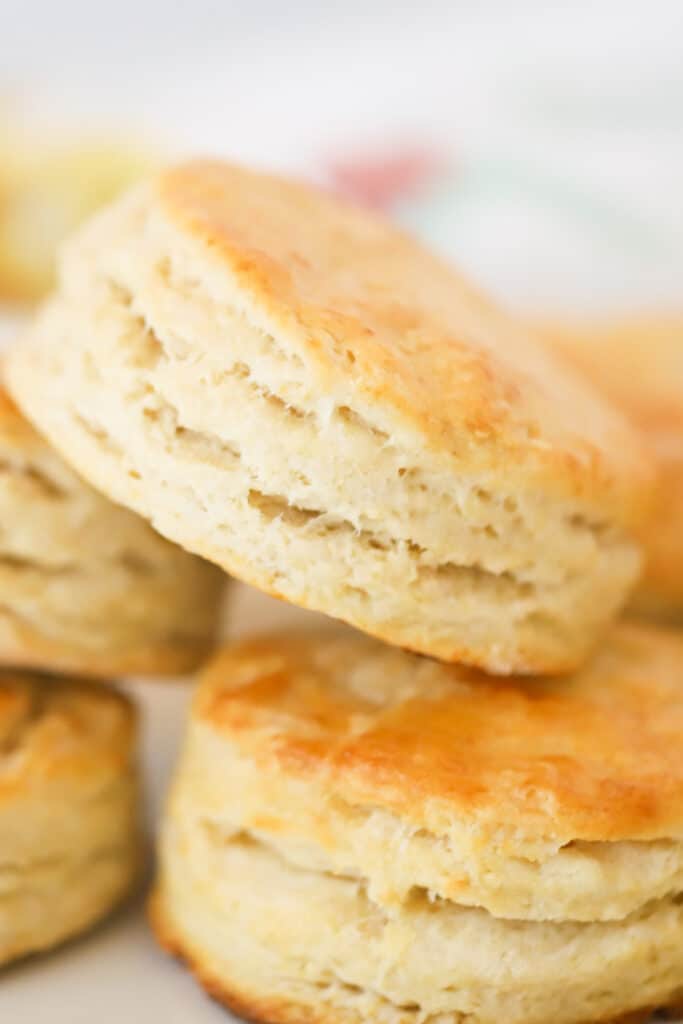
(51,728)
(597,755)
(357,300)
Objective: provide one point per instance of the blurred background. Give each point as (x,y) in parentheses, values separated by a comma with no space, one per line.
(539,144)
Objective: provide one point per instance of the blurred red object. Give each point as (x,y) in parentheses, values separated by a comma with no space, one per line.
(382,179)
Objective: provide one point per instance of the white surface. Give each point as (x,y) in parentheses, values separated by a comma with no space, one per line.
(590,93)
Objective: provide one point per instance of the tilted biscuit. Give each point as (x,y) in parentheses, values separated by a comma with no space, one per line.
(87,586)
(638,362)
(69,836)
(297,391)
(357,833)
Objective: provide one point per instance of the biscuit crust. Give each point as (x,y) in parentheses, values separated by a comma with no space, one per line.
(285,946)
(359,833)
(87,586)
(69,833)
(302,394)
(253,1006)
(536,799)
(591,756)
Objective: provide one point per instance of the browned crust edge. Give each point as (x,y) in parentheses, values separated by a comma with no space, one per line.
(268,1011)
(29,649)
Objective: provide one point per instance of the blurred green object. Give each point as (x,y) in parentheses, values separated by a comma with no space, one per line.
(46,190)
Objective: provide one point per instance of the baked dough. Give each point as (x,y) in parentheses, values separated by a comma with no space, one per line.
(297,391)
(87,586)
(356,833)
(69,837)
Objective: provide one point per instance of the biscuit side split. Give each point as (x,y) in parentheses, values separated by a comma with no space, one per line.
(295,390)
(357,833)
(69,828)
(87,586)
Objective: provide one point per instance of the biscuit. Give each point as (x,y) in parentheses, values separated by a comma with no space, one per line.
(357,833)
(297,391)
(69,842)
(87,586)
(638,363)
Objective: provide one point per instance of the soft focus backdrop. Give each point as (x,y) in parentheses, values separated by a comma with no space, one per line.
(540,143)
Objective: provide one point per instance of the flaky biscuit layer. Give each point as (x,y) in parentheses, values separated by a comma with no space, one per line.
(69,831)
(300,393)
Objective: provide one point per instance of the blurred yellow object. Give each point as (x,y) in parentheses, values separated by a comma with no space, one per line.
(45,192)
(638,362)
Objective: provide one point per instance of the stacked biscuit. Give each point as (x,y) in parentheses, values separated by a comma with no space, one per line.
(88,590)
(365,825)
